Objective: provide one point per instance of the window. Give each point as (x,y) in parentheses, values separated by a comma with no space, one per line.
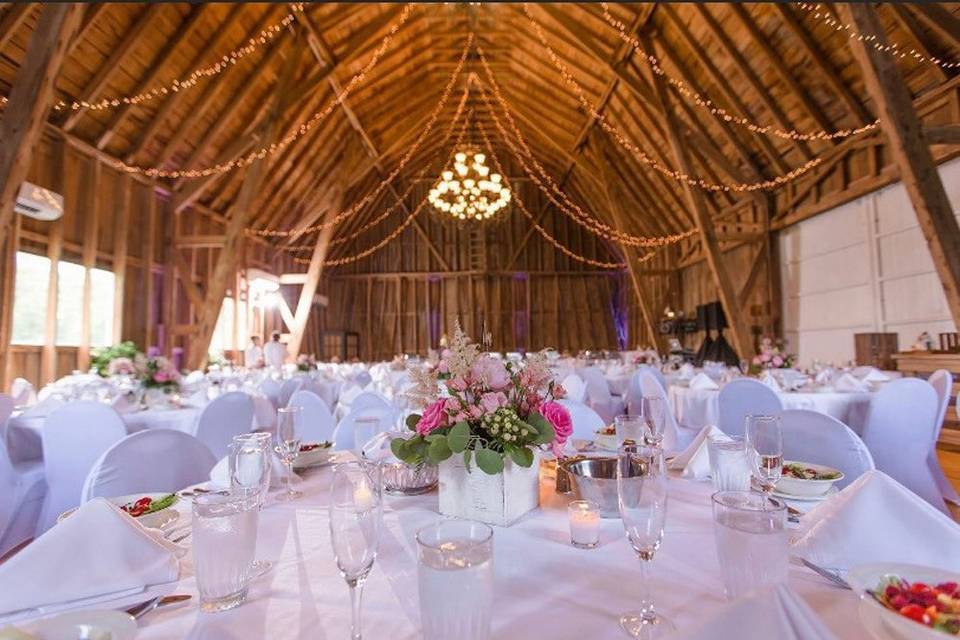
(30,302)
(30,299)
(222,339)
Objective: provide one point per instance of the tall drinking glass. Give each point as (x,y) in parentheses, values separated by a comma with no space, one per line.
(655,417)
(224,541)
(629,430)
(751,541)
(288,445)
(764,445)
(250,465)
(455,574)
(642,499)
(356,514)
(729,464)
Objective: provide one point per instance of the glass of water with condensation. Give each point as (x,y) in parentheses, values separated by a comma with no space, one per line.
(224,541)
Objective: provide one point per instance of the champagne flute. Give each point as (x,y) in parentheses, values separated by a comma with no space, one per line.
(356,514)
(764,442)
(654,415)
(288,446)
(642,500)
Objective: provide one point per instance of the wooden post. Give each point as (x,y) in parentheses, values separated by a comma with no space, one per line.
(92,223)
(910,149)
(120,259)
(739,331)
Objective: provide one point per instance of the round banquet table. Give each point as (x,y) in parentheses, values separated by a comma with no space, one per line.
(697,408)
(544,587)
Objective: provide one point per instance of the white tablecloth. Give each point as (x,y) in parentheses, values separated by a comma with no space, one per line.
(544,588)
(696,408)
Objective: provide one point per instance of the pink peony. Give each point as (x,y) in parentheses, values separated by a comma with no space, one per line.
(161,376)
(475,412)
(777,361)
(442,367)
(558,416)
(765,356)
(457,384)
(559,392)
(492,401)
(491,372)
(434,417)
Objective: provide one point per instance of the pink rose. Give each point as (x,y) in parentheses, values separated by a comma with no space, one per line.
(491,372)
(558,417)
(161,376)
(559,392)
(457,384)
(492,401)
(434,417)
(442,367)
(765,356)
(777,361)
(475,412)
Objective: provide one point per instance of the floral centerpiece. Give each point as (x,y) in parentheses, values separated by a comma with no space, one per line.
(101,359)
(306,362)
(158,373)
(480,411)
(772,355)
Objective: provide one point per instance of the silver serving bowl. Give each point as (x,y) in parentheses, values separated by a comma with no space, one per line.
(595,479)
(400,478)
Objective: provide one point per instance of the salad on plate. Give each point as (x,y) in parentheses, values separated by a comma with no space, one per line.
(146,505)
(934,606)
(802,471)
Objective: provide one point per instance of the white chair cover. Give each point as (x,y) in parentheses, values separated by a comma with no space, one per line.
(810,436)
(599,397)
(22,392)
(270,387)
(288,388)
(317,424)
(942,382)
(741,398)
(362,379)
(131,465)
(74,437)
(226,416)
(900,432)
(22,489)
(650,387)
(634,394)
(370,400)
(343,435)
(585,420)
(575,388)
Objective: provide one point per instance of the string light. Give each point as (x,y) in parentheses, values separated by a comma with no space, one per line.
(293,135)
(567,206)
(445,96)
(266,35)
(675,174)
(891,48)
(686,91)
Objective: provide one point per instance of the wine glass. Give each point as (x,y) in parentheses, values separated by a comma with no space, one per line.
(356,514)
(288,446)
(250,466)
(764,442)
(642,500)
(654,414)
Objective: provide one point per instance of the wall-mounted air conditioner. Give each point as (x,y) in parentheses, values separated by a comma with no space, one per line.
(37,202)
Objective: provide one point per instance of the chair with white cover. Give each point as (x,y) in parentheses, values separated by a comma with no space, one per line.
(74,437)
(634,394)
(811,436)
(22,489)
(585,420)
(289,388)
(599,397)
(226,416)
(575,388)
(370,400)
(344,436)
(131,465)
(317,422)
(741,398)
(942,382)
(22,392)
(901,430)
(270,387)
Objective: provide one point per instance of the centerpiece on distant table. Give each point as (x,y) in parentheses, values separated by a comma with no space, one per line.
(306,362)
(484,422)
(159,378)
(772,356)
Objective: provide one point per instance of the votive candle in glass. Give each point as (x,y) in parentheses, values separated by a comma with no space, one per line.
(584,524)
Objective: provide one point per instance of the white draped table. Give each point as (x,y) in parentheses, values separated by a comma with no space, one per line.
(697,408)
(544,587)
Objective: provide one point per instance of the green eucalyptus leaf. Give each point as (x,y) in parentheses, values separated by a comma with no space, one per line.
(544,429)
(399,448)
(466,459)
(521,456)
(439,450)
(412,421)
(490,462)
(459,437)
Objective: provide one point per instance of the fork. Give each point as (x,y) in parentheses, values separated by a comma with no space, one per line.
(832,576)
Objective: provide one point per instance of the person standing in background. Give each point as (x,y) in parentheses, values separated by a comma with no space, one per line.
(274,353)
(253,356)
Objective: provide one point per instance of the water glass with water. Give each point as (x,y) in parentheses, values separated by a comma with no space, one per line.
(729,464)
(751,541)
(288,445)
(629,430)
(224,541)
(455,576)
(764,445)
(250,464)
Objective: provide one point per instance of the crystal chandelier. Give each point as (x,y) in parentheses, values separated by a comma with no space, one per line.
(470,192)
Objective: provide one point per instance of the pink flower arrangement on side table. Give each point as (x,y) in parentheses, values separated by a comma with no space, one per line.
(158,372)
(485,409)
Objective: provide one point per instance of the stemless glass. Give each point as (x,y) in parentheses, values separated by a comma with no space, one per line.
(629,429)
(642,500)
(224,541)
(654,411)
(751,541)
(455,576)
(729,463)
(250,466)
(764,443)
(288,445)
(356,513)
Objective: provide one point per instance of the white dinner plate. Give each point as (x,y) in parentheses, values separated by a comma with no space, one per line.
(95,625)
(162,519)
(313,458)
(789,496)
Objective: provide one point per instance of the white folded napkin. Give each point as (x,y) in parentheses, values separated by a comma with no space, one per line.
(703,381)
(772,613)
(825,377)
(875,375)
(695,459)
(848,384)
(220,474)
(22,392)
(771,381)
(877,519)
(686,371)
(193,378)
(96,551)
(44,408)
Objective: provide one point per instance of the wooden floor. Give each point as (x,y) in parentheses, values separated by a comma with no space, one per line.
(950,461)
